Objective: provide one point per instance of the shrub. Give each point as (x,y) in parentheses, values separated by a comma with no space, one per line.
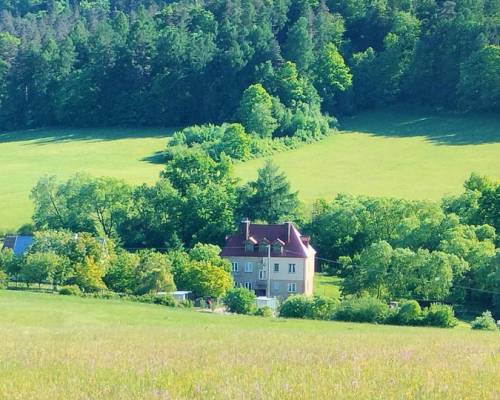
(440,315)
(295,307)
(240,301)
(164,300)
(185,304)
(321,307)
(4,279)
(264,312)
(364,309)
(409,313)
(70,290)
(484,322)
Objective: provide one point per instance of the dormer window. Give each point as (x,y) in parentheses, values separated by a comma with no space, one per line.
(263,246)
(250,245)
(277,247)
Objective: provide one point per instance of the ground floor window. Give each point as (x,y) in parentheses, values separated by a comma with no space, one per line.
(276,286)
(234,267)
(262,274)
(292,287)
(248,285)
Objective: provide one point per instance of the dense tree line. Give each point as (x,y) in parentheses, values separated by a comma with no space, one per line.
(394,248)
(117,62)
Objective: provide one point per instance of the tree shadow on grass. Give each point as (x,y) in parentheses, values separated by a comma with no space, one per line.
(440,129)
(45,136)
(158,157)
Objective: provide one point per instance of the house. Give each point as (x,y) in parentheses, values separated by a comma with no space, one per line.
(19,244)
(256,247)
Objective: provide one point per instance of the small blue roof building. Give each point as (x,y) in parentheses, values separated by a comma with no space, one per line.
(19,244)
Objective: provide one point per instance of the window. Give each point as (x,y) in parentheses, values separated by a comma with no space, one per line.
(234,267)
(277,248)
(276,286)
(249,267)
(263,247)
(291,268)
(262,274)
(292,287)
(249,247)
(276,267)
(248,285)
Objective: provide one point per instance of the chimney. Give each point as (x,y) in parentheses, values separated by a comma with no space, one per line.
(288,227)
(245,228)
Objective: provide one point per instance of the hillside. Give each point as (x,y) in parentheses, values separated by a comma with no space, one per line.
(66,347)
(27,155)
(411,155)
(386,153)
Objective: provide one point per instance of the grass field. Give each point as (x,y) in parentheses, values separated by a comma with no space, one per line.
(27,155)
(56,347)
(412,155)
(325,285)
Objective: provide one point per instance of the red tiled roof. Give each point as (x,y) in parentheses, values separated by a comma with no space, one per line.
(287,234)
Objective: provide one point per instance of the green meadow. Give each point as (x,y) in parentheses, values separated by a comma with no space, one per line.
(57,347)
(27,155)
(400,154)
(414,155)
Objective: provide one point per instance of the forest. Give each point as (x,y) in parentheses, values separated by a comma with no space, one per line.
(300,62)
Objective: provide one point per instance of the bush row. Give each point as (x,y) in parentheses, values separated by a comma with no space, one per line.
(368,309)
(161,299)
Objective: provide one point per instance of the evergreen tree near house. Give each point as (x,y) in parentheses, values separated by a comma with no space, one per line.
(270,197)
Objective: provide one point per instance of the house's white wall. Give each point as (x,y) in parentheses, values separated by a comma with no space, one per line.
(303,276)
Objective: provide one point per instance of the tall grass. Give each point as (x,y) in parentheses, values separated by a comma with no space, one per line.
(57,347)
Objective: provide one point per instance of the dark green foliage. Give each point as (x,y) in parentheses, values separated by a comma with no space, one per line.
(70,290)
(363,309)
(264,312)
(322,307)
(240,301)
(295,307)
(409,313)
(439,315)
(484,322)
(178,63)
(270,198)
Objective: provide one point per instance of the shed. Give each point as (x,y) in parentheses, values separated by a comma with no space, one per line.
(181,295)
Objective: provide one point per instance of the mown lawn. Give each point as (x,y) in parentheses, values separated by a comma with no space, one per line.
(413,155)
(56,347)
(27,155)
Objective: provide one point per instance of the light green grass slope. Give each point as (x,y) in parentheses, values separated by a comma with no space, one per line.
(56,347)
(27,155)
(414,156)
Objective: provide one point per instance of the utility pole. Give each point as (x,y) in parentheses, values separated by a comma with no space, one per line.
(269,270)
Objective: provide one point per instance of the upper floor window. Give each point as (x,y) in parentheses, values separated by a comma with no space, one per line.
(277,248)
(276,267)
(248,247)
(291,269)
(249,267)
(234,267)
(263,247)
